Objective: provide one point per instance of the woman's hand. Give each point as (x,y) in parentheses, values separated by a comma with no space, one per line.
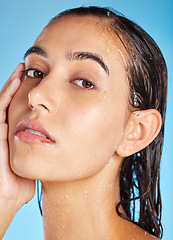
(15,191)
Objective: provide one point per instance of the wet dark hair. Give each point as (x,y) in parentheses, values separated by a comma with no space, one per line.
(147,76)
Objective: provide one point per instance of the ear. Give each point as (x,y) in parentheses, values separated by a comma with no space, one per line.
(142,128)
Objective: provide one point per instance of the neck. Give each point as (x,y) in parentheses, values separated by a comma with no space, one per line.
(83,209)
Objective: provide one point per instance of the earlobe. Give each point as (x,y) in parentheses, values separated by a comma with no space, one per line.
(141,130)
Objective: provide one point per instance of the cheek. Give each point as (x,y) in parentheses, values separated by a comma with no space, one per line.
(87,134)
(91,138)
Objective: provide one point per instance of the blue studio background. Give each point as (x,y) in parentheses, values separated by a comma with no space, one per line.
(22,21)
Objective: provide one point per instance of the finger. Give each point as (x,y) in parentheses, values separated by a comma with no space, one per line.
(6,98)
(4,163)
(16,74)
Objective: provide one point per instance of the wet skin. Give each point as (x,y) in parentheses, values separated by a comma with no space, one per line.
(75,86)
(86,119)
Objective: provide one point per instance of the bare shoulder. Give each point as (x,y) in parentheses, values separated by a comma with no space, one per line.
(137,233)
(150,237)
(141,234)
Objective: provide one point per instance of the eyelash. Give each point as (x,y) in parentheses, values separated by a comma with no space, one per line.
(42,75)
(33,70)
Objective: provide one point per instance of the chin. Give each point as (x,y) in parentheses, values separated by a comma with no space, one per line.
(36,162)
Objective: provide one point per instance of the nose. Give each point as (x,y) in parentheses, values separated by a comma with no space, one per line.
(41,98)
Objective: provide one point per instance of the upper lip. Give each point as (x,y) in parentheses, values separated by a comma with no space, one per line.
(34,125)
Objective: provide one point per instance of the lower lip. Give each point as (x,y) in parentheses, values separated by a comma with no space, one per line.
(32,138)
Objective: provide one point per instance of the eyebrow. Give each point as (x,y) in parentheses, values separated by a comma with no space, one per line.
(71,56)
(36,50)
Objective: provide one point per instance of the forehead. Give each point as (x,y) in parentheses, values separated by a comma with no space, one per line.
(84,33)
(74,28)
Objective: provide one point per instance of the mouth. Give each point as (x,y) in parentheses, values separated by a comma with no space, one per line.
(33,132)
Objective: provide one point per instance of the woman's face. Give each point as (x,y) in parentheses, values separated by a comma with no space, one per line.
(76,88)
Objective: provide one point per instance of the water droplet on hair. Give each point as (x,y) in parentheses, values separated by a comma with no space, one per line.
(138,154)
(126,69)
(108,13)
(67,196)
(136,103)
(153,230)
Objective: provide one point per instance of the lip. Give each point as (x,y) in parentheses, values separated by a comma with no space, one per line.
(28,137)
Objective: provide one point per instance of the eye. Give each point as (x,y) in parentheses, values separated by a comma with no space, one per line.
(34,73)
(83,83)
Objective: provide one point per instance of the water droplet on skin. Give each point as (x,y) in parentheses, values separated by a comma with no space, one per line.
(145,233)
(66,210)
(137,113)
(85,193)
(63,226)
(105,95)
(67,196)
(59,237)
(79,175)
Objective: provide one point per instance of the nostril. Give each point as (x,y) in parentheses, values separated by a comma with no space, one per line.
(30,105)
(42,105)
(38,101)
